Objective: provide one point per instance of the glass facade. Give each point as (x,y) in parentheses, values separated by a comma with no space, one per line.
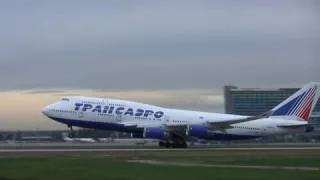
(257,101)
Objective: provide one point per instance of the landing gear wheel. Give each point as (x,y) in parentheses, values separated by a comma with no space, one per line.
(71,133)
(184,145)
(180,145)
(161,144)
(173,145)
(168,145)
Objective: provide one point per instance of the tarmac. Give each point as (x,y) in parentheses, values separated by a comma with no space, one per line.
(128,144)
(114,147)
(153,162)
(68,149)
(152,149)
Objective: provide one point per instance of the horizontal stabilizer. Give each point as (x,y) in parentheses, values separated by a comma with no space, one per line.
(293,125)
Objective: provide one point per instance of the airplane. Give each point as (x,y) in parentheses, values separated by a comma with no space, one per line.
(173,128)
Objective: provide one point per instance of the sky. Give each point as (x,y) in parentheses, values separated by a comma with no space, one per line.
(169,53)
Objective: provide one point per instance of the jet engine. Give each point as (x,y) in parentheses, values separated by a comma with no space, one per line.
(155,133)
(197,130)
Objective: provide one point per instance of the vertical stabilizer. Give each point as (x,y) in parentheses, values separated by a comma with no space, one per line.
(300,104)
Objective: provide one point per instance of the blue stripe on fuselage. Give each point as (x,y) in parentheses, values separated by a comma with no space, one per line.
(122,128)
(95,125)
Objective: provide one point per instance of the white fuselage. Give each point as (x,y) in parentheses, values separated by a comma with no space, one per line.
(111,114)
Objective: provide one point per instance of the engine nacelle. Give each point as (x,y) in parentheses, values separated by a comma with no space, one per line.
(155,133)
(197,130)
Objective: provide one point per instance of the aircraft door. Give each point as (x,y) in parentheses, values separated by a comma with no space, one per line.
(166,120)
(80,114)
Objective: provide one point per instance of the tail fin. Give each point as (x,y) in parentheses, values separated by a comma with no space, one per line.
(300,104)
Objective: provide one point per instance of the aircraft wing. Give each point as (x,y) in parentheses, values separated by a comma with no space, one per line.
(212,124)
(217,124)
(221,125)
(139,124)
(224,124)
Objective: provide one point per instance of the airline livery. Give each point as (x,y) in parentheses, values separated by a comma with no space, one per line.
(175,127)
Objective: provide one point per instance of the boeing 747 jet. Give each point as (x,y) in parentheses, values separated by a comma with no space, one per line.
(175,127)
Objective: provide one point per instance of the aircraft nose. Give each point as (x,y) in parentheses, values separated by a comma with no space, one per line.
(45,110)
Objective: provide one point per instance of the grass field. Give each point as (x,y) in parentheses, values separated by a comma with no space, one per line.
(114,165)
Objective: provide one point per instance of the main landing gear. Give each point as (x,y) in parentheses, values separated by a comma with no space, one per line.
(167,144)
(71,133)
(174,141)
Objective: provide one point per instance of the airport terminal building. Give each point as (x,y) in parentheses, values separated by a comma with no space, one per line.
(255,101)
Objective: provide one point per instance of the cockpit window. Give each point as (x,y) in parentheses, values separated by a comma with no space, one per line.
(65,99)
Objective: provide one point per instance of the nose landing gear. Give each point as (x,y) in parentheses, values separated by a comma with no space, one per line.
(71,133)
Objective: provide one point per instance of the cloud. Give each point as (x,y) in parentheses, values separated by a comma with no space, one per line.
(156,45)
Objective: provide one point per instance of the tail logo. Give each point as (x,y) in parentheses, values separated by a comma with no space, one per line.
(300,106)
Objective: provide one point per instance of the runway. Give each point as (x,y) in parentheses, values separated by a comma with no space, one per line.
(128,145)
(79,149)
(153,149)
